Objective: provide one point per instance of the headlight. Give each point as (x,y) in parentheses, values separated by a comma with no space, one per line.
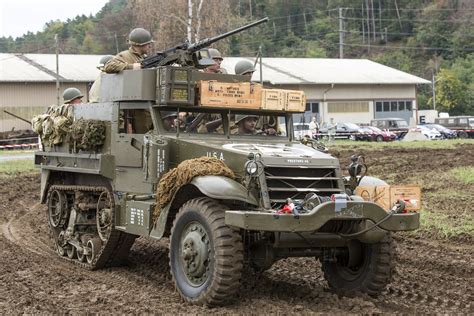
(251,168)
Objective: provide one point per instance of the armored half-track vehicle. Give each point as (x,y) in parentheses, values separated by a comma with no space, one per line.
(228,198)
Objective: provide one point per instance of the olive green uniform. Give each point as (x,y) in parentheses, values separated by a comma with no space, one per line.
(123,60)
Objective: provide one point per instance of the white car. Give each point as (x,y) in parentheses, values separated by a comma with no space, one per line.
(301,130)
(430,133)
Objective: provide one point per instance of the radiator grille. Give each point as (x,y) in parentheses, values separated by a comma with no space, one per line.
(296,182)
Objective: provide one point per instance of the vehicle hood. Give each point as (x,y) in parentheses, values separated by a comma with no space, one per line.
(236,153)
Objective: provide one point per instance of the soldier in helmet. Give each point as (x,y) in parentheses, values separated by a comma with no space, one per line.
(246,124)
(216,56)
(94,92)
(169,120)
(140,41)
(245,68)
(72,96)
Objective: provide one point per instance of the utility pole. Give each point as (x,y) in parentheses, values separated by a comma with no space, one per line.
(57,67)
(433,82)
(341,35)
(116,42)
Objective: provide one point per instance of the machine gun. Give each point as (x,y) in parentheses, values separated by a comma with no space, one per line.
(186,54)
(18,117)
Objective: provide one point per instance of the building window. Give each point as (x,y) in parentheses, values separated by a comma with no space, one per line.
(392,106)
(348,107)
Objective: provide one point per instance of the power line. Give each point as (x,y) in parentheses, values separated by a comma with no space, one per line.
(465,49)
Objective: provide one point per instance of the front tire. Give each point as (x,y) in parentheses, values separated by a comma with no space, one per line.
(370,273)
(206,256)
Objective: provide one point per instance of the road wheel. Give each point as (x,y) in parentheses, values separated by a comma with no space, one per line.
(463,135)
(379,138)
(206,256)
(364,268)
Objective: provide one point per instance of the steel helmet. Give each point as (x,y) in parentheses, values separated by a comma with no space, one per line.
(240,117)
(166,114)
(140,37)
(243,66)
(214,53)
(103,60)
(70,94)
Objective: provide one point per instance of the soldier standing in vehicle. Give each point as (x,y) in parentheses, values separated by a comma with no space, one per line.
(94,92)
(216,68)
(140,45)
(244,68)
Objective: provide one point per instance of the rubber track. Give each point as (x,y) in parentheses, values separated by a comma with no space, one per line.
(117,245)
(228,254)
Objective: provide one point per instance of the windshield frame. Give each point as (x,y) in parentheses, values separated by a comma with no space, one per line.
(225,113)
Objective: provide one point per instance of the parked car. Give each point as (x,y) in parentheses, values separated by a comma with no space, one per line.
(372,133)
(463,125)
(396,125)
(343,130)
(429,133)
(301,130)
(445,132)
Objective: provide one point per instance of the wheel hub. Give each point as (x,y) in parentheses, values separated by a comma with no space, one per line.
(195,253)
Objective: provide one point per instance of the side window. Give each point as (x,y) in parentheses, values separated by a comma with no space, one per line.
(135,121)
(206,123)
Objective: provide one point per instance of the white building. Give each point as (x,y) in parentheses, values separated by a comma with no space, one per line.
(349,90)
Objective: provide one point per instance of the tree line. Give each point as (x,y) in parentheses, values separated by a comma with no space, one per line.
(428,38)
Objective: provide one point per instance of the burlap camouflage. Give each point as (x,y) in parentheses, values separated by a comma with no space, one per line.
(87,135)
(57,126)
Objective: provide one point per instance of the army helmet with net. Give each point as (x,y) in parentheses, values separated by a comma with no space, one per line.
(215,54)
(70,94)
(103,60)
(140,37)
(240,117)
(243,67)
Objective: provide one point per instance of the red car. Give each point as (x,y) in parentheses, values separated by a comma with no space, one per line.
(372,133)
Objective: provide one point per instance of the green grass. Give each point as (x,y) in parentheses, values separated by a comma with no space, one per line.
(16,152)
(464,174)
(442,223)
(15,167)
(436,144)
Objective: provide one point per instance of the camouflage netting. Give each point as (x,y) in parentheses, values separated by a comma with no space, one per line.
(87,135)
(183,174)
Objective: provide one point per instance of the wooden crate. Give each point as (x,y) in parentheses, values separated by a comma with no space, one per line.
(295,101)
(273,99)
(378,194)
(244,95)
(411,194)
(386,196)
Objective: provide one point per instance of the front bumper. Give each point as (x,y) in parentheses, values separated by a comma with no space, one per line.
(317,217)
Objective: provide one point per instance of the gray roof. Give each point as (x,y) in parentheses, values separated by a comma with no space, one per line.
(82,68)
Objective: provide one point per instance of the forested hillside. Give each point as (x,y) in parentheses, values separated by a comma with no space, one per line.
(422,37)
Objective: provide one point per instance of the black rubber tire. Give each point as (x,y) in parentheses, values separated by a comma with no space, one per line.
(379,138)
(226,254)
(463,135)
(371,276)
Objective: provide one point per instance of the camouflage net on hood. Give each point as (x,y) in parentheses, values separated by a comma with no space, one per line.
(183,174)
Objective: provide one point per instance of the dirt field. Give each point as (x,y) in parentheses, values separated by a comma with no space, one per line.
(434,272)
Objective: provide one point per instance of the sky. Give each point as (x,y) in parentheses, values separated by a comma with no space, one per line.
(17,17)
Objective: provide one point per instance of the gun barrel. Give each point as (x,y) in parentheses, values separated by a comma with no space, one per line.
(208,41)
(18,117)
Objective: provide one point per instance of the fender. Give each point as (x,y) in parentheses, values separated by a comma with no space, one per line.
(216,187)
(223,188)
(44,185)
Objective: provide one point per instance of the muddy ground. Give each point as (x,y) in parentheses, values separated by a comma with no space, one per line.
(434,273)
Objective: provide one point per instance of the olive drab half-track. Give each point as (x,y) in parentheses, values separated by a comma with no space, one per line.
(228,195)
